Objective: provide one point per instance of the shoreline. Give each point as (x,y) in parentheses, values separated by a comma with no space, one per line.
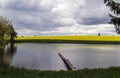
(12,72)
(68,41)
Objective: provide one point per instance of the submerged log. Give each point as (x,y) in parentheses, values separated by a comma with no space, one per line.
(67,63)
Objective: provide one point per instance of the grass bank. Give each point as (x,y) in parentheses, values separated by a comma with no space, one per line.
(11,72)
(71,39)
(2,47)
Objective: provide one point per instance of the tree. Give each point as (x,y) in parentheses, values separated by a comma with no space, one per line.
(114,19)
(3,25)
(6,29)
(11,32)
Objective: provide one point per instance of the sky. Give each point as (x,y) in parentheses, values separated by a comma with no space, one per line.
(58,17)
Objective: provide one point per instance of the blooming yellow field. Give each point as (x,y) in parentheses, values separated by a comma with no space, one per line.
(89,38)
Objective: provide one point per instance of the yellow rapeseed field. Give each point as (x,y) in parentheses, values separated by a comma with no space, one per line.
(90,38)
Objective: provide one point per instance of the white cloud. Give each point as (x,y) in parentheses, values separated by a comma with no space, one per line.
(57,17)
(65,21)
(104,29)
(76,29)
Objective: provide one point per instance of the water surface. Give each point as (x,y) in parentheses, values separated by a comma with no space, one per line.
(44,56)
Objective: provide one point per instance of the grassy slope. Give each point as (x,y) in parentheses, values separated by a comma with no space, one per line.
(10,72)
(1,47)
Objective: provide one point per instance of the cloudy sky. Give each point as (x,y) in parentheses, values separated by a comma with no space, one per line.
(57,17)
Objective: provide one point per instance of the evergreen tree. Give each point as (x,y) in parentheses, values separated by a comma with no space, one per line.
(114,18)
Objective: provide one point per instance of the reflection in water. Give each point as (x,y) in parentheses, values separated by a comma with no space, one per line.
(44,56)
(7,54)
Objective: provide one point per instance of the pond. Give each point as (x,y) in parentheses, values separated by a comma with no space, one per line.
(44,56)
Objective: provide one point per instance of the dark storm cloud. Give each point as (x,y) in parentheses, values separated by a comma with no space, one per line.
(93,21)
(26,5)
(93,13)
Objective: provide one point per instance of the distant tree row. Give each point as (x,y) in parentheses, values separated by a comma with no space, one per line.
(6,29)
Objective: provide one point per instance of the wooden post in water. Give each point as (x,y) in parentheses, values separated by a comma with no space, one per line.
(67,63)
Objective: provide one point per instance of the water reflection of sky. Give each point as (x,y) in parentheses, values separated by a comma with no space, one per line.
(93,46)
(43,56)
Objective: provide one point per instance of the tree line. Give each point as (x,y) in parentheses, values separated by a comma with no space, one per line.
(6,30)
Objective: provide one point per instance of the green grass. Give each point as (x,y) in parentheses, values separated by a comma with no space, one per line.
(71,39)
(11,72)
(2,47)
